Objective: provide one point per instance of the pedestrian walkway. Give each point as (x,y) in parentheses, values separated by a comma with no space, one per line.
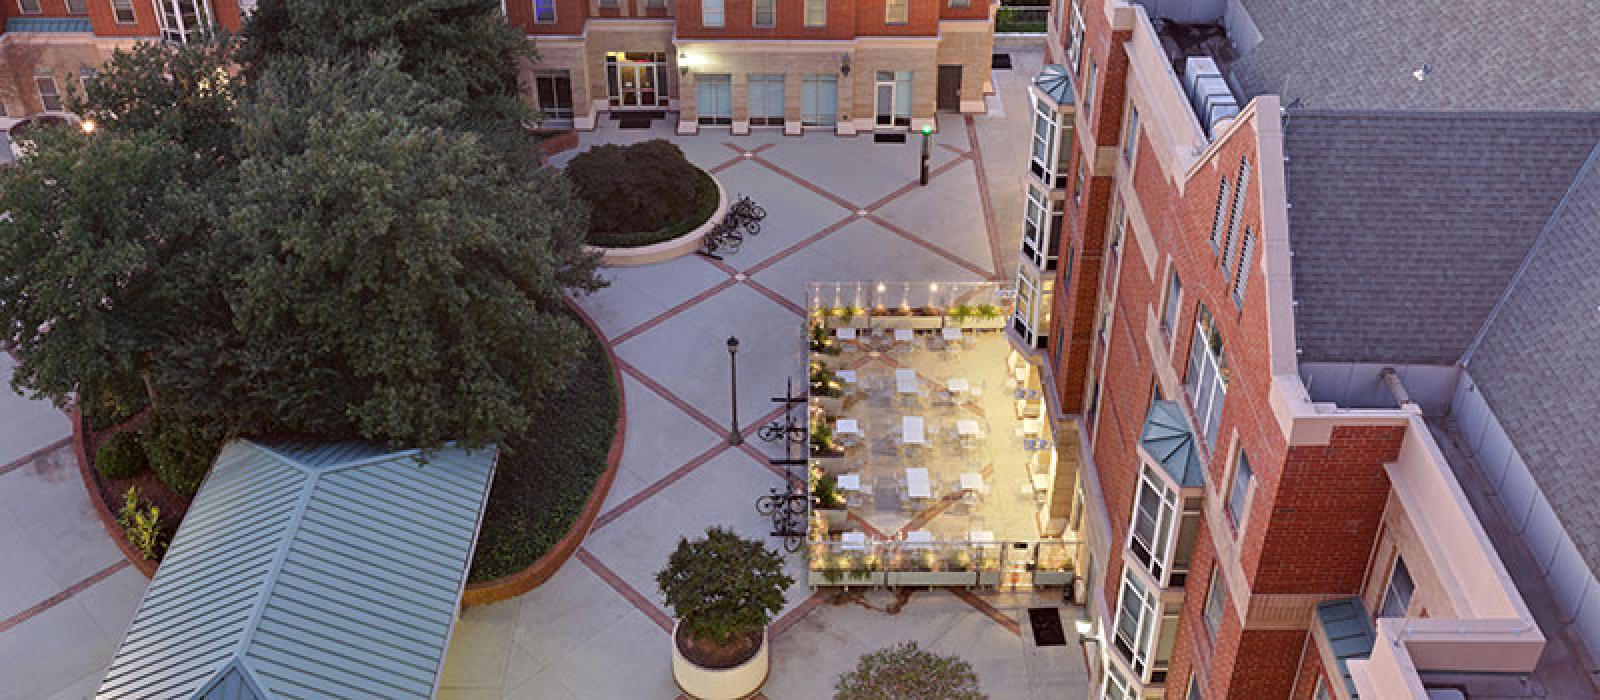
(66,591)
(837,209)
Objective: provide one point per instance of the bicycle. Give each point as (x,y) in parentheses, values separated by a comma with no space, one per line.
(773,504)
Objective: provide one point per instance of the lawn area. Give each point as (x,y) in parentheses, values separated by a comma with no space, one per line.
(705,195)
(545,476)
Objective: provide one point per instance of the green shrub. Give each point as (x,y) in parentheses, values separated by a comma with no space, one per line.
(905,671)
(723,586)
(180,450)
(142,525)
(636,188)
(111,402)
(121,456)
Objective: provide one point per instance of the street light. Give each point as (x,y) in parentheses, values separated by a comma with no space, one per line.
(734,437)
(87,126)
(927,131)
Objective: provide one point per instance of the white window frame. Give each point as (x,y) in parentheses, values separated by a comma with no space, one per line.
(610,4)
(169,16)
(1088,87)
(712,13)
(22,7)
(1133,599)
(1219,221)
(1153,530)
(45,98)
(119,7)
(961,3)
(1075,47)
(1391,591)
(1115,687)
(771,12)
(707,80)
(897,11)
(1130,134)
(1240,492)
(1206,377)
(811,85)
(1216,602)
(757,93)
(816,13)
(1230,244)
(901,83)
(81,10)
(1044,149)
(1241,275)
(548,16)
(1172,304)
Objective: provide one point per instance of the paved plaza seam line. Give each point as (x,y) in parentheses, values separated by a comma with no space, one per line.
(669,313)
(62,596)
(797,247)
(25,460)
(653,489)
(990,611)
(764,290)
(913,185)
(788,619)
(976,151)
(914,238)
(663,392)
(836,199)
(626,591)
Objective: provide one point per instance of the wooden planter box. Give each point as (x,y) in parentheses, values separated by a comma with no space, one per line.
(931,578)
(836,518)
(816,578)
(1053,578)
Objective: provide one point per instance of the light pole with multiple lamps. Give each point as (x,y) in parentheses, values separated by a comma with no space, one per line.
(734,437)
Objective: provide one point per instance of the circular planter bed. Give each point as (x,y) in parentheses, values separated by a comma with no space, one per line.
(719,679)
(673,241)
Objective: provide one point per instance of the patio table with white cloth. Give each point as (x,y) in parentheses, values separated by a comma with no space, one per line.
(905,381)
(846,426)
(853,540)
(911,430)
(849,482)
(979,535)
(951,334)
(847,376)
(1032,426)
(917,483)
(919,536)
(966,427)
(1041,482)
(904,335)
(958,385)
(847,333)
(971,481)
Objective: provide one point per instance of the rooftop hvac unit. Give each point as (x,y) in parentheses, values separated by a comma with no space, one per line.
(1208,93)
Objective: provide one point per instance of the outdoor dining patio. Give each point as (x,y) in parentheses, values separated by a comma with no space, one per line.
(930,452)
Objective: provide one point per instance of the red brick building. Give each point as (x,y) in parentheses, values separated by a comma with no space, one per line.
(1266,518)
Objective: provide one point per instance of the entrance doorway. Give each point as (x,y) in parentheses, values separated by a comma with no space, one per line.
(892,98)
(554,88)
(636,79)
(949,88)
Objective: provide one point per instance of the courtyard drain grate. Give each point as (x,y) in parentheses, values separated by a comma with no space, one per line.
(889,138)
(1046,623)
(1001,61)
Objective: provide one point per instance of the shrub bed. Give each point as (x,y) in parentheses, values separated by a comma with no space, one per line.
(642,193)
(705,193)
(181,451)
(544,477)
(121,456)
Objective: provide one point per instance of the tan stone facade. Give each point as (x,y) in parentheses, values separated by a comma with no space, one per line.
(62,57)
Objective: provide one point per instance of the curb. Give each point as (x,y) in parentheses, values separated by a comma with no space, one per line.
(510,586)
(669,249)
(92,487)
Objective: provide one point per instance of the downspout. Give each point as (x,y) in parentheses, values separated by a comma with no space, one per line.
(1396,387)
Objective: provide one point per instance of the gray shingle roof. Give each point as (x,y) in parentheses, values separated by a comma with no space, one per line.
(1407,227)
(1484,54)
(1538,364)
(308,570)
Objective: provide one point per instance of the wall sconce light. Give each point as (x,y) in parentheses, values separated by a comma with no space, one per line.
(683,65)
(844,65)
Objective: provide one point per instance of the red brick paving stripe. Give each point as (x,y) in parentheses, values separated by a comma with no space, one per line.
(789,618)
(914,184)
(865,526)
(983,194)
(991,611)
(657,487)
(953,149)
(658,319)
(62,596)
(914,238)
(672,398)
(797,247)
(776,297)
(626,591)
(28,458)
(724,165)
(836,199)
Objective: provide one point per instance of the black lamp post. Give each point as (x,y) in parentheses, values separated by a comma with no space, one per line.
(734,437)
(927,130)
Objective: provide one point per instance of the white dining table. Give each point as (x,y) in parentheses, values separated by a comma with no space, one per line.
(970,481)
(980,535)
(905,381)
(849,482)
(847,376)
(1032,426)
(911,430)
(846,426)
(951,334)
(917,483)
(966,427)
(904,335)
(847,334)
(958,385)
(853,540)
(919,536)
(1041,482)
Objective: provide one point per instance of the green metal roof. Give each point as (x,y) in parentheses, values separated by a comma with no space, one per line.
(1055,81)
(1349,633)
(56,25)
(1168,439)
(309,570)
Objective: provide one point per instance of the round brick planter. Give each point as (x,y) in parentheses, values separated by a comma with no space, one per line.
(108,520)
(496,590)
(668,249)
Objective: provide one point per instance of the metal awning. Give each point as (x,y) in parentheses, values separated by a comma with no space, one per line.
(1169,441)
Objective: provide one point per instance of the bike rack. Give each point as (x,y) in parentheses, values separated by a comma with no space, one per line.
(787,509)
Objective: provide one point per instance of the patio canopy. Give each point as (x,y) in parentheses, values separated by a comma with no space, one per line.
(309,570)
(1166,436)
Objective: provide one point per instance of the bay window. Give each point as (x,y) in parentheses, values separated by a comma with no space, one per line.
(183,20)
(1135,628)
(1154,511)
(1207,377)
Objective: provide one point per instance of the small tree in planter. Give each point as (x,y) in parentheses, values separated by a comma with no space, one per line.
(905,672)
(724,589)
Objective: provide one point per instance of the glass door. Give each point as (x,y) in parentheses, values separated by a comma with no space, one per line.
(883,89)
(636,79)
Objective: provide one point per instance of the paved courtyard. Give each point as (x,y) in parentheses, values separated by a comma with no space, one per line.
(837,209)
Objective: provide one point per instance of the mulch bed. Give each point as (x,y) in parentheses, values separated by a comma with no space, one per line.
(708,655)
(111,491)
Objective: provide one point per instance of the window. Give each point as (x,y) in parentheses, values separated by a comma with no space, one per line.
(1169,321)
(1194,688)
(1119,223)
(766,12)
(819,100)
(183,20)
(1075,48)
(1242,277)
(77,7)
(122,10)
(1033,223)
(1239,492)
(714,98)
(897,11)
(1088,87)
(544,11)
(766,99)
(1322,692)
(1154,510)
(29,7)
(85,76)
(1077,182)
(1215,599)
(1218,222)
(961,3)
(1136,623)
(655,4)
(1116,687)
(1044,141)
(711,13)
(1130,136)
(892,92)
(1230,244)
(610,4)
(1397,598)
(49,94)
(816,13)
(1207,378)
(554,89)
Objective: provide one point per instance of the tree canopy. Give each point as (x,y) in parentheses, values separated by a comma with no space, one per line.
(906,672)
(333,243)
